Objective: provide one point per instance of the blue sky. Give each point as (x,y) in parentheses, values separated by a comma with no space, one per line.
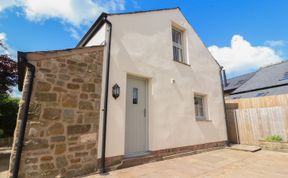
(242,35)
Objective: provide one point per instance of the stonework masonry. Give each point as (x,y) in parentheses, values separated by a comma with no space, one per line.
(62,128)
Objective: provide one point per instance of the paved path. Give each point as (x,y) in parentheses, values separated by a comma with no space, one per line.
(4,161)
(219,163)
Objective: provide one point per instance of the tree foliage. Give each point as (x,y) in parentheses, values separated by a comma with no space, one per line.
(8,73)
(8,114)
(8,104)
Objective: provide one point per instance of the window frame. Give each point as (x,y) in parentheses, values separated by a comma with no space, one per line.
(180,47)
(204,117)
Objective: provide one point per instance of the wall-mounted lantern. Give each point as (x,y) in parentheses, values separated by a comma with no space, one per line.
(115,91)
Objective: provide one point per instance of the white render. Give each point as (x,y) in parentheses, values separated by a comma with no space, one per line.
(142,46)
(99,37)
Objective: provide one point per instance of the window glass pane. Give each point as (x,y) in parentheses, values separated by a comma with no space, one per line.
(177,45)
(179,40)
(180,55)
(135,96)
(199,107)
(196,111)
(201,112)
(174,35)
(175,56)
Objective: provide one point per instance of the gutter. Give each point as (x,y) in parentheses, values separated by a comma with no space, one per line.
(103,153)
(22,64)
(224,105)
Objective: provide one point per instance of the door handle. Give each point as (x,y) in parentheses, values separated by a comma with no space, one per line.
(144,112)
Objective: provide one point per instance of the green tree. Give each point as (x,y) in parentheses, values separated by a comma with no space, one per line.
(8,104)
(8,114)
(8,73)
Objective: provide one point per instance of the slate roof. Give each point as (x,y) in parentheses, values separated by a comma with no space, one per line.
(265,92)
(269,80)
(269,76)
(236,82)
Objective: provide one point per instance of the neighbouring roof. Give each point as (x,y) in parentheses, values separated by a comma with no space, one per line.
(270,76)
(265,92)
(236,82)
(269,80)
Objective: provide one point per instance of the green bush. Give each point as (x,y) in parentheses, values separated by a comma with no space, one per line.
(274,138)
(8,115)
(1,132)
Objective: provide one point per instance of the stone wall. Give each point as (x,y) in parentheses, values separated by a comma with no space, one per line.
(62,127)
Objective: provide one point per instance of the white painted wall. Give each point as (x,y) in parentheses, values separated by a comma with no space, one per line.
(142,45)
(99,37)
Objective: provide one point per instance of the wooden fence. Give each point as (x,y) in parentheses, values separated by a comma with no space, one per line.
(253,119)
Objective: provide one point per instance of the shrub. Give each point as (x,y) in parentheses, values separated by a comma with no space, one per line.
(1,132)
(8,115)
(274,138)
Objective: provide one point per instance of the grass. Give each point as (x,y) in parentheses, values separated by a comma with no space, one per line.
(274,138)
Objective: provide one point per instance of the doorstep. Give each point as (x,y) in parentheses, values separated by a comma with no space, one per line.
(138,160)
(249,148)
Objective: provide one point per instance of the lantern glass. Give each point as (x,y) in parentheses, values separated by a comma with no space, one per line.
(116,91)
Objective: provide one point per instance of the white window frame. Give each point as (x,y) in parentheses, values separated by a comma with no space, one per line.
(203,117)
(179,46)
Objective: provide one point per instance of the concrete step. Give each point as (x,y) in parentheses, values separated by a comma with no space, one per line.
(249,148)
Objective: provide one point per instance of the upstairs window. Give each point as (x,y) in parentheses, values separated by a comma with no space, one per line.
(177,38)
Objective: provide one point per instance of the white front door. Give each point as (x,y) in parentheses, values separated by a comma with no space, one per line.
(136,117)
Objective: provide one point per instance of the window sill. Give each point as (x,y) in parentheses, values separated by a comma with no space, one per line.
(203,120)
(182,63)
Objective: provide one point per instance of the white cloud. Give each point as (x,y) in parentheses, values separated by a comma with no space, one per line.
(2,37)
(117,4)
(74,12)
(74,33)
(4,4)
(241,57)
(275,43)
(4,47)
(136,4)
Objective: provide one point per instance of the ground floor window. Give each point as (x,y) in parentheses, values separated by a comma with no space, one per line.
(200,108)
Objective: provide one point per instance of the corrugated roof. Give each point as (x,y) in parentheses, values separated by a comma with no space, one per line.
(236,82)
(270,76)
